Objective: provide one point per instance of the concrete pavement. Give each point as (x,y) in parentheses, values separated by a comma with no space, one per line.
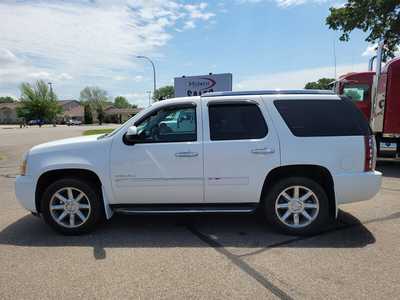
(212,256)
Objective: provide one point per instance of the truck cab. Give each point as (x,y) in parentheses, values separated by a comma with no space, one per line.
(358,87)
(380,102)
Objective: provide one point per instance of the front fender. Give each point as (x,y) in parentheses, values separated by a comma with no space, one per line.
(74,163)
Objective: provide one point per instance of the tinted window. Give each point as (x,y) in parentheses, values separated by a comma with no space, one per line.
(356,92)
(173,124)
(322,117)
(236,122)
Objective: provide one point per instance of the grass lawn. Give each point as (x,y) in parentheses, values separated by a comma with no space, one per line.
(97,131)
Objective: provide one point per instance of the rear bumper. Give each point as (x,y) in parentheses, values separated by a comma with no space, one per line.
(356,187)
(25,192)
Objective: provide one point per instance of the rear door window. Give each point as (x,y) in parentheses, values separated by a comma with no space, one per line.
(311,118)
(236,121)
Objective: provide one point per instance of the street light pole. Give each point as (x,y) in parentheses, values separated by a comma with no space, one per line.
(154,71)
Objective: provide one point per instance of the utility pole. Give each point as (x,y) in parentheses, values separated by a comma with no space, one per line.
(51,89)
(149,92)
(334,57)
(52,98)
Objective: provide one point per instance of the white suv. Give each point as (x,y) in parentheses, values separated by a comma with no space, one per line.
(294,155)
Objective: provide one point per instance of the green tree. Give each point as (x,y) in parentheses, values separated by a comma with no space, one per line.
(121,102)
(380,18)
(321,84)
(38,102)
(100,114)
(93,95)
(7,99)
(163,93)
(96,98)
(88,115)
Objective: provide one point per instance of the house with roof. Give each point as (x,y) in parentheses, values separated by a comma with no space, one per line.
(119,115)
(72,109)
(8,113)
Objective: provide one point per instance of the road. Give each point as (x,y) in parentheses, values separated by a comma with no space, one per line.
(202,256)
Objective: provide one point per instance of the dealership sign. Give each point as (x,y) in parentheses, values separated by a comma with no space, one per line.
(198,85)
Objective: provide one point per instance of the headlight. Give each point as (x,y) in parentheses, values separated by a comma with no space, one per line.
(22,168)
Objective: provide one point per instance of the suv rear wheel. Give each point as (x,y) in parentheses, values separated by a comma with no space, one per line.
(71,206)
(297,206)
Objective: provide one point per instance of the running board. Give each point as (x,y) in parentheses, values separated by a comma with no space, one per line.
(183,209)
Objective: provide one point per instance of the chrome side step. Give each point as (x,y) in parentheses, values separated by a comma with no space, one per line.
(183,209)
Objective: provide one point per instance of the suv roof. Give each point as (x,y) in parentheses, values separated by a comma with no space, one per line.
(269,92)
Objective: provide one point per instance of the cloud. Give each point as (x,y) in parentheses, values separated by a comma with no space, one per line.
(189,25)
(285,3)
(339,5)
(294,79)
(197,11)
(370,50)
(140,99)
(17,70)
(137,78)
(7,57)
(39,75)
(85,42)
(64,76)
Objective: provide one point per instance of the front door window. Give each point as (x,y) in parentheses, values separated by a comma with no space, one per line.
(174,124)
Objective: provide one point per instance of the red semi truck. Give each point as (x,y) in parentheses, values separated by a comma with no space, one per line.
(377,95)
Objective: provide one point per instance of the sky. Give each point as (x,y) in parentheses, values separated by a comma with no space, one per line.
(265,44)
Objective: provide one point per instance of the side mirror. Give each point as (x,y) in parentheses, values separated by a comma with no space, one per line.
(132,131)
(131,135)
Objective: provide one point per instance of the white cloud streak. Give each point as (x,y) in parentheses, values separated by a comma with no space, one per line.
(286,3)
(295,79)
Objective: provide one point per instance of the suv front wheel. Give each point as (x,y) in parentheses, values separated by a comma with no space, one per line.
(297,206)
(72,206)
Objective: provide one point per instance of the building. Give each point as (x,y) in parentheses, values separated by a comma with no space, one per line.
(72,109)
(119,115)
(8,113)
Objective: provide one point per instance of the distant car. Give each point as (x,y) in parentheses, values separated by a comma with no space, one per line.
(72,122)
(36,122)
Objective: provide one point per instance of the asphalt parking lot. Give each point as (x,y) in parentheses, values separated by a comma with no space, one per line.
(203,256)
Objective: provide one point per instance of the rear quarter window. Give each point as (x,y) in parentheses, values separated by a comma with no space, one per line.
(312,118)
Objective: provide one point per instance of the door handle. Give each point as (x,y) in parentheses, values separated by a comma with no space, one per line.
(186,154)
(264,150)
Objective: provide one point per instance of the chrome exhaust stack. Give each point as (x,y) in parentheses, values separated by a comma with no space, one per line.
(371,63)
(377,109)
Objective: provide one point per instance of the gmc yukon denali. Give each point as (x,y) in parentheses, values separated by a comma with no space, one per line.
(293,155)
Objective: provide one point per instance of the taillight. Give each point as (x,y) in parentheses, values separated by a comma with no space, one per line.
(370,153)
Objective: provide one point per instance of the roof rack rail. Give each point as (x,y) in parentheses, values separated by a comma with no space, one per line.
(269,92)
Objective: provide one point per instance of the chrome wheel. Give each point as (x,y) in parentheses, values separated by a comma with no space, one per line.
(297,206)
(70,207)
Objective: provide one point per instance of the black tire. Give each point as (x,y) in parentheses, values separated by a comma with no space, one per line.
(321,217)
(94,216)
